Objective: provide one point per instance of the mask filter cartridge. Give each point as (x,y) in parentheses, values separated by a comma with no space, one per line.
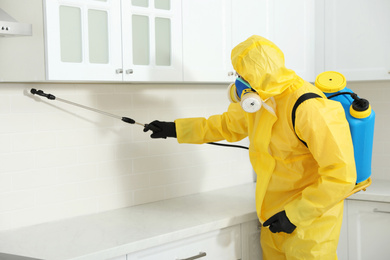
(240,91)
(250,101)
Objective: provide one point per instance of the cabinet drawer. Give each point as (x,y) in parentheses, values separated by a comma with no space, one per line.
(368,230)
(223,244)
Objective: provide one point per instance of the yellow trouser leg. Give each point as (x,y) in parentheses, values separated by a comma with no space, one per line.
(315,241)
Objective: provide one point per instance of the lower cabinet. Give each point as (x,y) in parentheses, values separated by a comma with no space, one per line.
(365,234)
(251,249)
(222,244)
(239,242)
(368,230)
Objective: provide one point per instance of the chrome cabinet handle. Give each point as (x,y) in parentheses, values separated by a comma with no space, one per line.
(200,255)
(119,71)
(129,71)
(381,211)
(230,73)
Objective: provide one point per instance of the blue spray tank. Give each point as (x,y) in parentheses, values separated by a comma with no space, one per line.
(360,116)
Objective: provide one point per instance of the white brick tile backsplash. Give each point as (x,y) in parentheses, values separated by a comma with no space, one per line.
(15,162)
(16,123)
(35,179)
(115,201)
(5,143)
(33,141)
(59,161)
(16,200)
(149,195)
(55,158)
(5,105)
(5,182)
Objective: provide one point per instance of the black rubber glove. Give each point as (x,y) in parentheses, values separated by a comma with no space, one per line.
(161,129)
(280,223)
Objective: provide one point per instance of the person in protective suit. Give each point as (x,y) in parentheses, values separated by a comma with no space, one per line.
(300,187)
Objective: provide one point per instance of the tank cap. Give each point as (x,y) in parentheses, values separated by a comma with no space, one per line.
(360,104)
(330,81)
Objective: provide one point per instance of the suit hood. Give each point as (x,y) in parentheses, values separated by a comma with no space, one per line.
(261,63)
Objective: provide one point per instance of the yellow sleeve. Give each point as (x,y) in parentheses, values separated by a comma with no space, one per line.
(230,126)
(322,125)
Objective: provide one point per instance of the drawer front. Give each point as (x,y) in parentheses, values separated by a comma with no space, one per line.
(223,244)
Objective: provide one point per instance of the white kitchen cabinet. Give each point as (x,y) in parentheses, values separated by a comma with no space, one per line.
(223,244)
(251,248)
(207,41)
(292,29)
(250,17)
(342,247)
(212,29)
(152,40)
(83,40)
(123,257)
(138,40)
(356,38)
(368,230)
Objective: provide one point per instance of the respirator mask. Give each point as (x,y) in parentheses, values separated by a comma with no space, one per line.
(241,91)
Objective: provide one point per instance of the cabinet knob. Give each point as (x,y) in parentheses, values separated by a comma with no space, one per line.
(129,71)
(230,73)
(119,71)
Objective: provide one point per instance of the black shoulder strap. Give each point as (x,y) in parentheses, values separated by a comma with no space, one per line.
(301,99)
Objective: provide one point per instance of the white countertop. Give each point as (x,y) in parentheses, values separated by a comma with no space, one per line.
(114,233)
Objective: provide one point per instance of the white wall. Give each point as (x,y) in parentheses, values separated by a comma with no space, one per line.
(59,161)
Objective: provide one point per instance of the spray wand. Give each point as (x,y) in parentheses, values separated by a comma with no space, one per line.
(124,119)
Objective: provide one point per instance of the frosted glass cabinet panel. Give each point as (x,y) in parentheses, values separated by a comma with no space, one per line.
(163,41)
(140,40)
(70,34)
(98,36)
(83,40)
(151,40)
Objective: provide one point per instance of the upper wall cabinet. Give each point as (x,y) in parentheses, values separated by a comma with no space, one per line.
(152,40)
(191,40)
(357,38)
(103,40)
(207,40)
(83,40)
(212,28)
(292,29)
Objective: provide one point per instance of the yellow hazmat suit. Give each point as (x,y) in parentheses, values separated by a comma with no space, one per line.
(309,183)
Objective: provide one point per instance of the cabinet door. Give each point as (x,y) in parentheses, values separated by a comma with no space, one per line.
(249,17)
(251,248)
(292,30)
(368,230)
(83,40)
(118,258)
(342,247)
(207,41)
(357,39)
(152,48)
(224,244)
